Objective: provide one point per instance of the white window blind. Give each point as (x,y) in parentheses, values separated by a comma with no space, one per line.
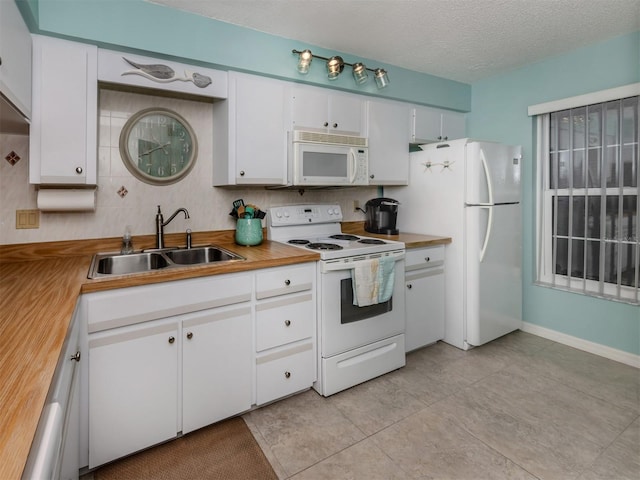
(588,175)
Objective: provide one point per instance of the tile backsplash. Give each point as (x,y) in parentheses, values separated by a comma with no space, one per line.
(124,200)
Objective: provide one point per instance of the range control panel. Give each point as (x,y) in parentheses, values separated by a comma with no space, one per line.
(304,214)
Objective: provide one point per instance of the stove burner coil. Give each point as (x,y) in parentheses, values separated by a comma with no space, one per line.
(324,246)
(342,236)
(297,241)
(372,241)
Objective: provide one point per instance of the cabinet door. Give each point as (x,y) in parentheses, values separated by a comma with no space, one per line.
(15,57)
(261,133)
(310,109)
(453,125)
(133,389)
(424,297)
(63,148)
(389,138)
(427,125)
(217,366)
(346,113)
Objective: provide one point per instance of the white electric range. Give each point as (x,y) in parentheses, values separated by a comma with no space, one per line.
(355,343)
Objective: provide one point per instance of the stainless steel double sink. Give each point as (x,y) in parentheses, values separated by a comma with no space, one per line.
(113,264)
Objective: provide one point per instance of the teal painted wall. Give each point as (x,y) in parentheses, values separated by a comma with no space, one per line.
(499,113)
(142,26)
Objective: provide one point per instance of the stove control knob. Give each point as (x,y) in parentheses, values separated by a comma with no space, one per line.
(278,214)
(286,214)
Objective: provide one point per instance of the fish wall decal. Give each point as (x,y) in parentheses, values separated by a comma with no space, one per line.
(165,74)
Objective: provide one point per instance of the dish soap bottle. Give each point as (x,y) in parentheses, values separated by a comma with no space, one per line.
(127,244)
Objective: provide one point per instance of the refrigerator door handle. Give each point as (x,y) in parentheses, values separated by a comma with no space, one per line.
(487,234)
(487,175)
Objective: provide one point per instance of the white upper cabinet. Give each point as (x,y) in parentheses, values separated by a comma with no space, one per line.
(433,125)
(322,110)
(63,137)
(250,132)
(389,137)
(15,58)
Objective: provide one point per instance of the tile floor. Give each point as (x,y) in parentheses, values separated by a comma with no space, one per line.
(521,407)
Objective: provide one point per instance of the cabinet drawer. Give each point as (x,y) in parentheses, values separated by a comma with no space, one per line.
(285,280)
(424,258)
(284,321)
(128,306)
(284,372)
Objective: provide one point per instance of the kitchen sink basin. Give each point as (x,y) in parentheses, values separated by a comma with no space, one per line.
(113,264)
(194,256)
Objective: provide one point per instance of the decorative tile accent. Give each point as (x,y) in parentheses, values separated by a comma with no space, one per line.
(123,192)
(12,158)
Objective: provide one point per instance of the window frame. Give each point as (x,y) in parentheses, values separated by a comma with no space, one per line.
(545,194)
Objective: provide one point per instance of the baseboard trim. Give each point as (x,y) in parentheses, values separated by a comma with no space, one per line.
(585,345)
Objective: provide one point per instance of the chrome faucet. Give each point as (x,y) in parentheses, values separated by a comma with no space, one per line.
(160,224)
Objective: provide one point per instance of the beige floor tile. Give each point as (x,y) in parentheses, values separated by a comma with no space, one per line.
(621,460)
(431,446)
(611,381)
(543,448)
(376,404)
(362,461)
(304,429)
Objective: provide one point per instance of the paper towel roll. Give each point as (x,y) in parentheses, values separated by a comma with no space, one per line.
(66,200)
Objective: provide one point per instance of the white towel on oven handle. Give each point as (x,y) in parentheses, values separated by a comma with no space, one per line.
(373,281)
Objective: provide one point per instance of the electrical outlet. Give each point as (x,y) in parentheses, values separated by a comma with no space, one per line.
(356,205)
(27,219)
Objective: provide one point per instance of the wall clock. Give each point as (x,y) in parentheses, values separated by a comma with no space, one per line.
(158,146)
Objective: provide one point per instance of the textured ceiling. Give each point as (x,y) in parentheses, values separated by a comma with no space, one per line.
(463,40)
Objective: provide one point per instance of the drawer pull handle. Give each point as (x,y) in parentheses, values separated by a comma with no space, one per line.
(189,335)
(287,282)
(287,322)
(287,374)
(172,339)
(75,356)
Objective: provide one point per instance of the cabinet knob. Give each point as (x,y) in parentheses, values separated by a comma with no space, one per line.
(78,170)
(242,173)
(189,335)
(372,176)
(409,286)
(172,339)
(287,322)
(335,125)
(428,259)
(287,374)
(287,282)
(75,356)
(446,138)
(326,124)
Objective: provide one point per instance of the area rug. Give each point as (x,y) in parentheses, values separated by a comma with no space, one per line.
(225,451)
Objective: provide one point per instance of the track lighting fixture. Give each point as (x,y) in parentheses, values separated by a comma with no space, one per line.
(335,66)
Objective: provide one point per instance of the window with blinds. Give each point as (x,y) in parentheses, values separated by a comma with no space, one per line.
(589,200)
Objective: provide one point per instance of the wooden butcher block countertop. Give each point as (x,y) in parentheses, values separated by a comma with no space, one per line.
(411,240)
(39,287)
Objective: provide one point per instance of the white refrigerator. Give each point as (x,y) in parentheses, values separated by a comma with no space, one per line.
(470,191)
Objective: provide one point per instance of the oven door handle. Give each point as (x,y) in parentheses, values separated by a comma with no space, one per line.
(349,264)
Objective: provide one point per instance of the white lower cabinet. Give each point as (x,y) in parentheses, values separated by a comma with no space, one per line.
(424,296)
(177,356)
(133,389)
(216,366)
(285,332)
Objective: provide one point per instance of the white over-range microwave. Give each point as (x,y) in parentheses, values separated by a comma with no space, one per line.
(326,159)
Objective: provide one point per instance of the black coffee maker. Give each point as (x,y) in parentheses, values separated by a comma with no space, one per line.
(382,214)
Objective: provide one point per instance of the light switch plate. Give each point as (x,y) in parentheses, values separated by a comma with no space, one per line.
(27,219)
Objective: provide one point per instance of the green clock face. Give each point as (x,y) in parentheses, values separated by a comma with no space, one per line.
(158,146)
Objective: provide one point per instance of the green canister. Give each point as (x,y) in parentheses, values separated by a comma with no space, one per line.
(249,231)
